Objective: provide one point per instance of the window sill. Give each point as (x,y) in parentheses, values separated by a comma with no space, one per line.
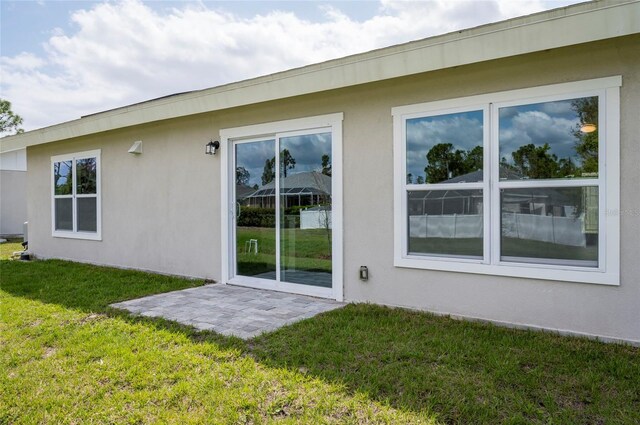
(542,272)
(77,235)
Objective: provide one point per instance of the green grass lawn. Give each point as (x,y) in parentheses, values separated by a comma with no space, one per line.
(65,357)
(306,249)
(9,247)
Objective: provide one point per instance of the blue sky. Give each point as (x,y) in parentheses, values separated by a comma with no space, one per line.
(64,59)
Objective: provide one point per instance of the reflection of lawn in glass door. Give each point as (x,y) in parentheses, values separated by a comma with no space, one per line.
(312,250)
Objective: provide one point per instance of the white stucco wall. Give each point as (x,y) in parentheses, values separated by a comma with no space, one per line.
(161,210)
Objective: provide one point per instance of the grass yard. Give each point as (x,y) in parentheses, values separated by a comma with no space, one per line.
(307,249)
(66,357)
(9,247)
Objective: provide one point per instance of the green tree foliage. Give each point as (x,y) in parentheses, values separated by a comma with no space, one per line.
(62,178)
(287,162)
(473,159)
(536,162)
(326,165)
(587,143)
(269,171)
(242,176)
(444,162)
(409,178)
(9,121)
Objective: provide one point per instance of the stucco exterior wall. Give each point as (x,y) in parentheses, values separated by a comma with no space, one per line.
(161,210)
(13,201)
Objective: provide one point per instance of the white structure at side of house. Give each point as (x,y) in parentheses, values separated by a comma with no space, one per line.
(13,192)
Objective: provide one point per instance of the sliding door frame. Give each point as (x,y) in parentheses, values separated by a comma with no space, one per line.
(275,130)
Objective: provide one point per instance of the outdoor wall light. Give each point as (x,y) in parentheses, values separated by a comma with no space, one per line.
(364,273)
(211,147)
(588,128)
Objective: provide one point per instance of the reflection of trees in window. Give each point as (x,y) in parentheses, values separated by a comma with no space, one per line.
(269,171)
(587,143)
(242,176)
(409,178)
(86,175)
(326,165)
(536,161)
(62,178)
(444,162)
(287,162)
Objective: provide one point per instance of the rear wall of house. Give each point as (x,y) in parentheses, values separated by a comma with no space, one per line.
(161,210)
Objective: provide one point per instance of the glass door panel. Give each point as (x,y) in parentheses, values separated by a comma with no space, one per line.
(305,209)
(255,221)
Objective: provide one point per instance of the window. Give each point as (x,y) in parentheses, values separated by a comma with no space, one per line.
(76,195)
(513,183)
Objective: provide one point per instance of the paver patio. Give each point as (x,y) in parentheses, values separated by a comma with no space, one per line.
(230,310)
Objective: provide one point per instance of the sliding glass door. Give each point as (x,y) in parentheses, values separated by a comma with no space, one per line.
(283,211)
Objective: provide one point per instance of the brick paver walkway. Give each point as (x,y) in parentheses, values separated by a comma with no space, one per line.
(230,310)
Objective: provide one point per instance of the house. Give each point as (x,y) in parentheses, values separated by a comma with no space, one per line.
(554,95)
(296,190)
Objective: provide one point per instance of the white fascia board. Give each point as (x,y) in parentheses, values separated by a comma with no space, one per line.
(582,23)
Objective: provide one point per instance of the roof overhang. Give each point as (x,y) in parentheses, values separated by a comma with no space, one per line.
(577,24)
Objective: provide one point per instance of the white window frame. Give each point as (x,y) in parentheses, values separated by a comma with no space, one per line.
(75,234)
(608,182)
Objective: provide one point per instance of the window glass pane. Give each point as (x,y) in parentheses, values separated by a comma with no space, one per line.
(445,148)
(87,217)
(63,177)
(550,225)
(549,140)
(305,210)
(64,214)
(255,204)
(446,222)
(86,176)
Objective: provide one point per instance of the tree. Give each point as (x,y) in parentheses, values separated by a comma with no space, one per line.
(536,162)
(473,159)
(587,143)
(9,121)
(242,176)
(443,162)
(62,181)
(326,165)
(419,180)
(287,162)
(566,168)
(269,171)
(409,178)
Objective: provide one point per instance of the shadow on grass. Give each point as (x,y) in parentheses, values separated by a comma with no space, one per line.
(465,372)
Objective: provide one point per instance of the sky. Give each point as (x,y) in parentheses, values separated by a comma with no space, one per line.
(61,60)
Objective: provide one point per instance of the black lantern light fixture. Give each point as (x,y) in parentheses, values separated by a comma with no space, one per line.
(211,147)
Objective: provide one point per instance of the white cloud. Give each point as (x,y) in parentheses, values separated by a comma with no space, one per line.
(538,127)
(125,52)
